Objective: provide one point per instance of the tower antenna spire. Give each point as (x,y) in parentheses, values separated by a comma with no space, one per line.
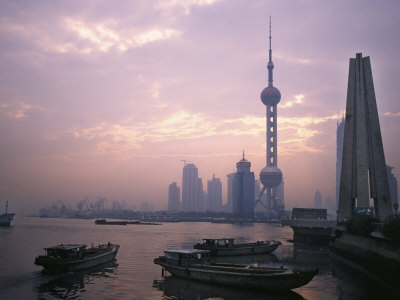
(270,43)
(270,63)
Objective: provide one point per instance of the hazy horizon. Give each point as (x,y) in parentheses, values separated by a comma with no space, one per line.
(106,98)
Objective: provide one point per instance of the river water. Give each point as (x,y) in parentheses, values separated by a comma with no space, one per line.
(134,276)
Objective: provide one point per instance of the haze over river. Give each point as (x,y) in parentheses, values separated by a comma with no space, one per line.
(135,276)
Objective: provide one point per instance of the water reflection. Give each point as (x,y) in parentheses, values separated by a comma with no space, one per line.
(71,285)
(178,288)
(310,254)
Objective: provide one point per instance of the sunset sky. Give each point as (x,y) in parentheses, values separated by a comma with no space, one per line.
(106,98)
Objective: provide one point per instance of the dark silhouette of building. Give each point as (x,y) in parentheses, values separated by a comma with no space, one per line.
(339,157)
(192,189)
(228,207)
(174,197)
(243,190)
(214,194)
(317,199)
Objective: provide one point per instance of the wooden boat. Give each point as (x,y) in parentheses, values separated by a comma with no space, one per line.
(71,257)
(227,247)
(6,218)
(195,265)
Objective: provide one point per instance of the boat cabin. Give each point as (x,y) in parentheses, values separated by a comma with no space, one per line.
(187,257)
(67,251)
(218,243)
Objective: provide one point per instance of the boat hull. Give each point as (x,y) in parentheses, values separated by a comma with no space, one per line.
(274,281)
(241,249)
(52,265)
(5,220)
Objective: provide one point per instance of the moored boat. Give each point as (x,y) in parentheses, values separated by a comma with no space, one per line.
(6,218)
(74,257)
(195,265)
(105,222)
(227,247)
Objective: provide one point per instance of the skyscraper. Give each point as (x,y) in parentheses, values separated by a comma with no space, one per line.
(214,194)
(339,157)
(243,190)
(190,188)
(174,197)
(364,174)
(317,199)
(228,207)
(271,175)
(199,196)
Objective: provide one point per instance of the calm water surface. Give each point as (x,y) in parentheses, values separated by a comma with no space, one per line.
(134,276)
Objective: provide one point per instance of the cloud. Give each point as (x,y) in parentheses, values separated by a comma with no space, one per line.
(183,4)
(390,114)
(295,134)
(292,60)
(18,110)
(298,100)
(103,37)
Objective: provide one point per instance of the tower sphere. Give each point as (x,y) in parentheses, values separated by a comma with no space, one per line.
(270,176)
(270,95)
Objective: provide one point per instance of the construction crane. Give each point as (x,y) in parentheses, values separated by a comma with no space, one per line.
(186,161)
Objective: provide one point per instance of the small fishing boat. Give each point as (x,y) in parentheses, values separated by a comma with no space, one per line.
(195,265)
(71,257)
(6,218)
(227,247)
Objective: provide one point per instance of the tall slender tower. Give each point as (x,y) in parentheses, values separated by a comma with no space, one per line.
(270,175)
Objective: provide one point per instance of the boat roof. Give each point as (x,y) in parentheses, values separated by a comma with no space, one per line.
(186,251)
(66,247)
(219,239)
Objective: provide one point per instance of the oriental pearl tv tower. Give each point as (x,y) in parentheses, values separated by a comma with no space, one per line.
(271,175)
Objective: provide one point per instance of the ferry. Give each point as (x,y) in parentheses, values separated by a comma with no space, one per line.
(227,247)
(195,265)
(6,218)
(75,257)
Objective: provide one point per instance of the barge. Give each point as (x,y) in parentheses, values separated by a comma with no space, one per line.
(227,247)
(195,265)
(75,257)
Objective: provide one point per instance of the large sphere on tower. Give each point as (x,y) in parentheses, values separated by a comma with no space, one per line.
(270,176)
(270,95)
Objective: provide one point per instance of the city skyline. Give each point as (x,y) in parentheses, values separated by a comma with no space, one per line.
(106,99)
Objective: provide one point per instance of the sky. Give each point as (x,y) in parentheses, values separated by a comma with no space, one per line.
(107,98)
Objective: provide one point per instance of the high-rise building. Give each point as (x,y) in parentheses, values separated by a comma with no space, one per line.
(200,196)
(243,190)
(190,188)
(228,207)
(317,199)
(339,157)
(214,194)
(364,174)
(392,186)
(174,197)
(271,175)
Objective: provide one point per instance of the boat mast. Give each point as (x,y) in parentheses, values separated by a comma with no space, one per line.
(6,206)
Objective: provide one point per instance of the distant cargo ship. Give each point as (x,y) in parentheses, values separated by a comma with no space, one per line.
(5,219)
